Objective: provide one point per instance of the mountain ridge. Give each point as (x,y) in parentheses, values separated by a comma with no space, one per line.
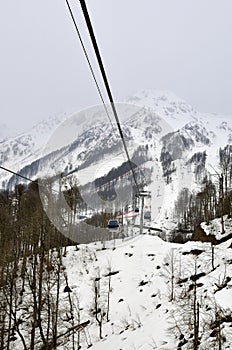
(169,127)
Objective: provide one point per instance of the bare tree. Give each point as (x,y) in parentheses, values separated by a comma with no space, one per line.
(99,308)
(110,273)
(170,268)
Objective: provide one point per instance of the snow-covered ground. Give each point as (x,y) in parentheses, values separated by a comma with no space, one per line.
(215,227)
(152,287)
(141,313)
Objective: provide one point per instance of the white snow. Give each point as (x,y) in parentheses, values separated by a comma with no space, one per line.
(215,227)
(141,320)
(224,298)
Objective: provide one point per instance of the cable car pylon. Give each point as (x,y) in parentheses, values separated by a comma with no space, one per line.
(142,195)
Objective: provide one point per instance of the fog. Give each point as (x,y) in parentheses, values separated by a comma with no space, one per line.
(182,46)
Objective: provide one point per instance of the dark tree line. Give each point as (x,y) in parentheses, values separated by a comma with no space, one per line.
(23,223)
(31,271)
(37,307)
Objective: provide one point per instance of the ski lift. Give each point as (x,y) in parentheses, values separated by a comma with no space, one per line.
(113,223)
(147,215)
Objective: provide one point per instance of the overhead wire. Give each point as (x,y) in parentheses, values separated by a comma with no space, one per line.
(41,185)
(32,181)
(104,76)
(36,182)
(92,71)
(84,9)
(17,174)
(89,63)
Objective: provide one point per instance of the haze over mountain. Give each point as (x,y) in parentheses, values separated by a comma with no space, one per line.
(5,132)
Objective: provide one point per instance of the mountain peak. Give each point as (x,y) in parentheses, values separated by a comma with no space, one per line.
(166,104)
(157,94)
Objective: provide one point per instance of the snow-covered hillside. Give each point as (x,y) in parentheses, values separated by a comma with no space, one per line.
(146,293)
(21,150)
(214,130)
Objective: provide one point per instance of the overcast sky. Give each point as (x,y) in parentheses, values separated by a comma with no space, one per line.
(180,45)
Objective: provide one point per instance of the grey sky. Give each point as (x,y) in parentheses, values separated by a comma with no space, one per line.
(182,45)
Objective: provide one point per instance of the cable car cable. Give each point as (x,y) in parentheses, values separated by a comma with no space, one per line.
(89,64)
(17,174)
(101,66)
(92,71)
(32,181)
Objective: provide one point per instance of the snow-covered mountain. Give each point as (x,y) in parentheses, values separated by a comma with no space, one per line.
(24,148)
(173,134)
